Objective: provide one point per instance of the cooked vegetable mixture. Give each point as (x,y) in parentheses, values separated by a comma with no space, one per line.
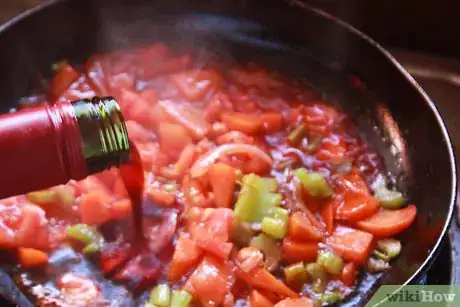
(258,193)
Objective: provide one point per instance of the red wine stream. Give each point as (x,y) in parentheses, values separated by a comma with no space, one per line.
(132,174)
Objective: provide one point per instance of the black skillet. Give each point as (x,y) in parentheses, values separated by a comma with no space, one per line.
(394,113)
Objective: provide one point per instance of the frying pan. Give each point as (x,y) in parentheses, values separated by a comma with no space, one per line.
(394,113)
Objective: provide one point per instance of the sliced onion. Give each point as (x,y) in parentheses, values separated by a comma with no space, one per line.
(200,167)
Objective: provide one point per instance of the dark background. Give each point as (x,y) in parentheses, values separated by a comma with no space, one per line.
(423,25)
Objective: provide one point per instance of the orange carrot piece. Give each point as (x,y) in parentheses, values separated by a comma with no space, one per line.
(31,257)
(186,255)
(258,300)
(327,212)
(242,122)
(352,244)
(387,223)
(223,181)
(261,278)
(294,251)
(301,228)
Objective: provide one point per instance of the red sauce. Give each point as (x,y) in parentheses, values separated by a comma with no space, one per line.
(220,146)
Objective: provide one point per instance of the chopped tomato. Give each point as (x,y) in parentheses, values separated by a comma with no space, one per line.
(348,275)
(186,115)
(320,118)
(173,139)
(94,208)
(352,244)
(243,122)
(272,122)
(113,255)
(249,258)
(211,281)
(121,209)
(196,84)
(31,257)
(186,256)
(387,223)
(258,300)
(301,228)
(136,108)
(223,181)
(79,89)
(294,251)
(295,302)
(65,76)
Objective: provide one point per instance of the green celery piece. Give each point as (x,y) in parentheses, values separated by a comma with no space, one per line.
(315,183)
(275,228)
(87,235)
(297,134)
(91,248)
(331,297)
(295,273)
(332,263)
(280,214)
(180,298)
(256,198)
(161,295)
(43,197)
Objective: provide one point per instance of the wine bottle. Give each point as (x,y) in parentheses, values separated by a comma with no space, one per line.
(48,145)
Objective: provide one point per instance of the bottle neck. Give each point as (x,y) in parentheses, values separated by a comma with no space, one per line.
(104,138)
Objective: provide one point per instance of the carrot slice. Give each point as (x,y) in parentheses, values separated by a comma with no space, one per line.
(223,181)
(258,300)
(261,278)
(348,275)
(295,302)
(299,251)
(327,212)
(94,208)
(31,257)
(185,257)
(352,244)
(356,207)
(301,228)
(242,122)
(387,223)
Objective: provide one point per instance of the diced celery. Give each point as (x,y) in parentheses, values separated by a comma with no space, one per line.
(331,297)
(180,298)
(297,134)
(161,295)
(377,265)
(315,183)
(389,199)
(87,235)
(91,248)
(319,285)
(331,263)
(391,248)
(241,233)
(280,213)
(275,228)
(261,183)
(256,198)
(295,273)
(315,271)
(269,248)
(43,197)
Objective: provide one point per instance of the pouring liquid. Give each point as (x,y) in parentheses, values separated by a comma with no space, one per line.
(132,174)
